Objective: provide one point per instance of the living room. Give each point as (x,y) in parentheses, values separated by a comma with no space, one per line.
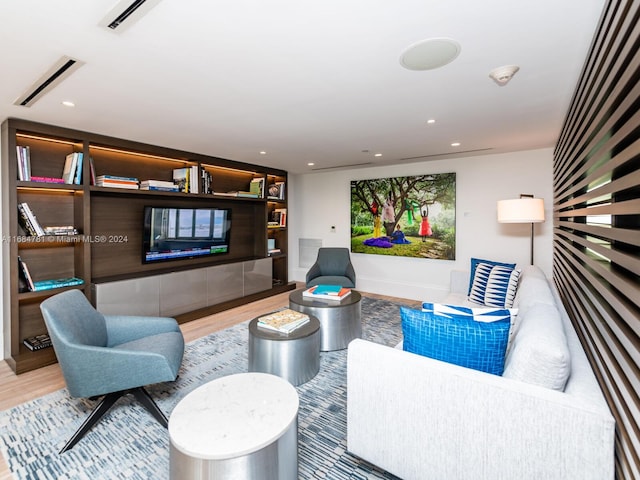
(600,303)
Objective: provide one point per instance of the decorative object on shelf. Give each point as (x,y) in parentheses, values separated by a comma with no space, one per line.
(276,191)
(525,209)
(283,321)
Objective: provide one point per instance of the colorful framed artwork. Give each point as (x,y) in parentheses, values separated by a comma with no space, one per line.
(405,216)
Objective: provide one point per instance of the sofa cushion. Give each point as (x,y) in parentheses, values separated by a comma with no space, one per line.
(474,265)
(540,354)
(479,314)
(494,285)
(457,339)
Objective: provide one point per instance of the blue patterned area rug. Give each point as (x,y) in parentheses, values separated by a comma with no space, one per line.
(129,444)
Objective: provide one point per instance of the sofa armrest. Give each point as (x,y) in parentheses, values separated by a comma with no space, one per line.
(415,416)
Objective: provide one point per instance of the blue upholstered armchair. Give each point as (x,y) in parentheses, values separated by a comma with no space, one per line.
(110,355)
(333,267)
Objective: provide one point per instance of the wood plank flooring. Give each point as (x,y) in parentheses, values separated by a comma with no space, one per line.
(18,389)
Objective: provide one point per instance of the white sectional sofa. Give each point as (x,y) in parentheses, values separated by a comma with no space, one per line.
(544,418)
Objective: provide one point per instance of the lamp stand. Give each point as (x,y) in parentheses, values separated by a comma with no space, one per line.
(531,243)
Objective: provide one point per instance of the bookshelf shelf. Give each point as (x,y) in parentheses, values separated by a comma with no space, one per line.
(99,212)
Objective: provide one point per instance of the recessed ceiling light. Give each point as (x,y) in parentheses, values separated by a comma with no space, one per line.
(311,164)
(430,53)
(263,153)
(68,103)
(431,121)
(377,155)
(455,144)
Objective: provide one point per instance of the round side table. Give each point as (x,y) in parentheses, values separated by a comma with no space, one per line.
(339,319)
(242,426)
(294,357)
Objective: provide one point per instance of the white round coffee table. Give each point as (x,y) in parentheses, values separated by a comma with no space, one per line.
(242,426)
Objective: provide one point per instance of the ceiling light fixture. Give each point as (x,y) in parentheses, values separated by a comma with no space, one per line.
(311,164)
(502,75)
(431,121)
(68,103)
(377,155)
(430,53)
(263,153)
(455,144)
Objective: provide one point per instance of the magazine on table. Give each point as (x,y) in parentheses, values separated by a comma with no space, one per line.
(283,321)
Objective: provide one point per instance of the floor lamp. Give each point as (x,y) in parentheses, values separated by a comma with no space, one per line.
(525,209)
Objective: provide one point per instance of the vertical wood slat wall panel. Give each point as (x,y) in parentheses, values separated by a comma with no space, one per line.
(597,220)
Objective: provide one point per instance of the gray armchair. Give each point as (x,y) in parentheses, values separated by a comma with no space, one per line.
(110,355)
(333,267)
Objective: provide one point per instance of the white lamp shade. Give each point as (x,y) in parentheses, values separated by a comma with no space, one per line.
(521,210)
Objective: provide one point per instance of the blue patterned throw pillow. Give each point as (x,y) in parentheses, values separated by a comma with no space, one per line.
(457,339)
(474,265)
(494,285)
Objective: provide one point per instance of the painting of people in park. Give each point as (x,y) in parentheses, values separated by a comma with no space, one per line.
(405,216)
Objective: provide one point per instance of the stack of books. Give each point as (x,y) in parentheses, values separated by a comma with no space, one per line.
(38,342)
(160,185)
(28,221)
(187,179)
(327,292)
(61,230)
(117,182)
(56,283)
(283,321)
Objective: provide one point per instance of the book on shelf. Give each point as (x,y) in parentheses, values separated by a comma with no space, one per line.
(276,191)
(327,292)
(194,184)
(92,171)
(159,185)
(281,214)
(257,186)
(116,181)
(247,194)
(72,170)
(46,179)
(226,194)
(207,182)
(284,320)
(29,221)
(25,276)
(37,342)
(181,178)
(60,230)
(24,163)
(41,285)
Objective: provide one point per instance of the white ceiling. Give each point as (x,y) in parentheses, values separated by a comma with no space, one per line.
(305,81)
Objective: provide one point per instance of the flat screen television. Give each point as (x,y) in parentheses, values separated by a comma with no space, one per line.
(177,233)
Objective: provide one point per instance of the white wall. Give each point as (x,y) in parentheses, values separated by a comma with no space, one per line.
(318,201)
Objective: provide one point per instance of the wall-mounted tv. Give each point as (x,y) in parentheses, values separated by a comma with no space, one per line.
(176,233)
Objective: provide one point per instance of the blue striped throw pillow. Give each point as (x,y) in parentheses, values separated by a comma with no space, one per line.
(476,261)
(460,340)
(494,285)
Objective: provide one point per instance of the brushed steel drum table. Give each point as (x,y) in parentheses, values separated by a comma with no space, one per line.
(294,356)
(339,319)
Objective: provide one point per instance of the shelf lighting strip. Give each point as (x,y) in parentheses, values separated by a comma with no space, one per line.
(49,139)
(146,155)
(231,169)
